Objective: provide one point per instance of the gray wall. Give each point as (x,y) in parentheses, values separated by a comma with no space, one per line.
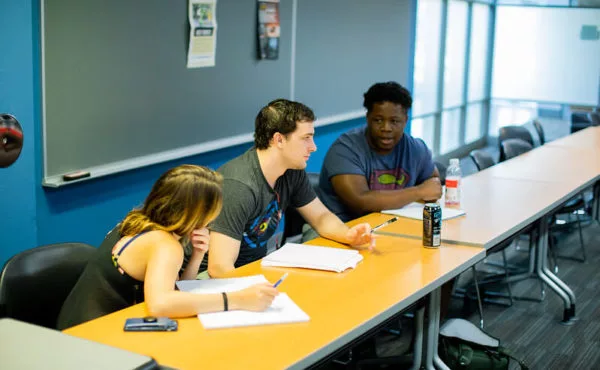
(118,93)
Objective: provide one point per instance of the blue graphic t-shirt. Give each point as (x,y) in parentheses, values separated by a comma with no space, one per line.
(252,210)
(409,164)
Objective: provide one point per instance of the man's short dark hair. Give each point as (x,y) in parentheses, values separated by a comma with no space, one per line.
(281,116)
(391,91)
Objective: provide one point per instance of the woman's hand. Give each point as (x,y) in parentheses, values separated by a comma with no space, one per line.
(199,239)
(255,298)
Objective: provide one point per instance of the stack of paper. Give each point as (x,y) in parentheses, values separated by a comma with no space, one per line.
(313,257)
(415,211)
(283,310)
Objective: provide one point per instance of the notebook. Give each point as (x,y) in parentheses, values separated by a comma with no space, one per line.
(415,211)
(313,257)
(283,310)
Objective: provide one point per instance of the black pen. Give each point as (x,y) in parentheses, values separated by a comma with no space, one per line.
(385,224)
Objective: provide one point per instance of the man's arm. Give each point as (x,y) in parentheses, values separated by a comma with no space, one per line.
(354,191)
(329,226)
(223,253)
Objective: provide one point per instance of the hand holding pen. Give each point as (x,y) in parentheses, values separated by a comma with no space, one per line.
(280,280)
(368,232)
(360,235)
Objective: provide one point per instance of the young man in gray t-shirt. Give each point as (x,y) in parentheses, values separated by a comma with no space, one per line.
(260,184)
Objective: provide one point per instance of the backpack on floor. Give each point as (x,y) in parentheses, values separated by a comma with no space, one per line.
(462,345)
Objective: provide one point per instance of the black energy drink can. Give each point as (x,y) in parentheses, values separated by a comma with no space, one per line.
(432,225)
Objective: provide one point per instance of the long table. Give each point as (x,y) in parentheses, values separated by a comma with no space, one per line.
(512,195)
(341,307)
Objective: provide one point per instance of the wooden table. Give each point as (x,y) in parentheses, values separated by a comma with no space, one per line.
(341,308)
(588,138)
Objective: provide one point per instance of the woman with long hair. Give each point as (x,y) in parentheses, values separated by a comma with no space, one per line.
(141,258)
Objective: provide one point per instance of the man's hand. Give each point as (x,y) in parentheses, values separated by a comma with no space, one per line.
(430,189)
(360,235)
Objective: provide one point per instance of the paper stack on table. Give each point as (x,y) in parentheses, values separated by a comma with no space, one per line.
(283,310)
(415,211)
(313,257)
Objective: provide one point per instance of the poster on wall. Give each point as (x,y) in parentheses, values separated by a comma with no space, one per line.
(203,33)
(268,29)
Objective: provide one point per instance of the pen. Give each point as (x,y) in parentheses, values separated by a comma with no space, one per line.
(384,224)
(280,280)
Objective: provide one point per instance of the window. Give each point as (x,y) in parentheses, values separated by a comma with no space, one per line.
(480,32)
(454,60)
(474,122)
(506,113)
(424,128)
(450,138)
(458,31)
(427,57)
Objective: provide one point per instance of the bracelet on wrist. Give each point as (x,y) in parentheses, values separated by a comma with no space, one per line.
(225,302)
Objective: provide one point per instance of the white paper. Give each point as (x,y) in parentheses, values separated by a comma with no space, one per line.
(415,211)
(202,15)
(313,257)
(283,310)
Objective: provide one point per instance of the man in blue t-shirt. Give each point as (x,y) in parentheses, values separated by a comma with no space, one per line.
(378,166)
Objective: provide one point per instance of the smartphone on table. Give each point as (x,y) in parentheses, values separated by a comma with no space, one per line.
(150,323)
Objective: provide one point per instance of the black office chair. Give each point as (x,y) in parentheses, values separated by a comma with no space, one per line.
(513,132)
(594,118)
(35,282)
(514,147)
(579,121)
(482,159)
(540,131)
(293,220)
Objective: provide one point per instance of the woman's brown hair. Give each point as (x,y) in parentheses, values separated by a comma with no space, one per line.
(182,199)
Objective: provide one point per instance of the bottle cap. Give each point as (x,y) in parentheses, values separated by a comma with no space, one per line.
(454,161)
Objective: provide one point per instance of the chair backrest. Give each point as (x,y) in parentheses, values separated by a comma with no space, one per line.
(515,147)
(540,131)
(293,220)
(442,170)
(35,282)
(513,132)
(482,159)
(594,118)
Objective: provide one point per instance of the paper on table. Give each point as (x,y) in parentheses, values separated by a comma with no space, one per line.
(283,310)
(415,211)
(313,257)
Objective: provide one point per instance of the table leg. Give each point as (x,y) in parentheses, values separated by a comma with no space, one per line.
(596,202)
(557,285)
(433,330)
(418,346)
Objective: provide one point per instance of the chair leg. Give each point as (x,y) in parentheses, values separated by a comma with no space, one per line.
(552,252)
(581,238)
(508,288)
(479,306)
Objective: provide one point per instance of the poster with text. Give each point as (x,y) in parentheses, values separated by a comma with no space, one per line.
(203,33)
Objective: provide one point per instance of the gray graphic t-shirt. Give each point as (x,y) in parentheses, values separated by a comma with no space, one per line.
(252,210)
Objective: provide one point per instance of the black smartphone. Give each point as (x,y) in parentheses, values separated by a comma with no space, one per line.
(150,324)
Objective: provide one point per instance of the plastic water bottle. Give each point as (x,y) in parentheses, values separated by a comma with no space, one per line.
(453,178)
